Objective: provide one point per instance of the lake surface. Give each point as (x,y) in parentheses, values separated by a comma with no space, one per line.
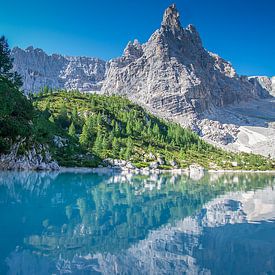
(83,223)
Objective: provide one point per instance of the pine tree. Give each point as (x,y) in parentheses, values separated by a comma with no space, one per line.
(128,128)
(72,131)
(74,116)
(91,123)
(6,64)
(115,147)
(99,121)
(105,144)
(138,126)
(156,131)
(98,143)
(149,130)
(113,123)
(62,117)
(129,148)
(117,130)
(84,136)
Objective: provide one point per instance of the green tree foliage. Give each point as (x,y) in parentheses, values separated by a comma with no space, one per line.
(16,111)
(72,131)
(112,126)
(115,147)
(98,144)
(129,148)
(84,137)
(6,64)
(62,117)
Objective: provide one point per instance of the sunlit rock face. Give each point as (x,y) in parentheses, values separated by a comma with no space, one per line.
(268,83)
(56,71)
(174,74)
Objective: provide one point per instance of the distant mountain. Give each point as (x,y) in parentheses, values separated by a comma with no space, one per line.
(174,77)
(56,71)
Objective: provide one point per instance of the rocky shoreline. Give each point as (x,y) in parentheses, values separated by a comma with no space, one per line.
(193,174)
(37,157)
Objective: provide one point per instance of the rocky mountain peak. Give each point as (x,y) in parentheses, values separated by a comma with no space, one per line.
(171,18)
(133,49)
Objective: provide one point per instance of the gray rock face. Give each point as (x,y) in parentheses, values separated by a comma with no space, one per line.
(36,158)
(56,71)
(268,83)
(173,73)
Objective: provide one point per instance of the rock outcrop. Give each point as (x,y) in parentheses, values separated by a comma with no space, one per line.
(36,158)
(268,83)
(56,71)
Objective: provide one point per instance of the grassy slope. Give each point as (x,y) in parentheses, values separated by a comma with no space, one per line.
(130,126)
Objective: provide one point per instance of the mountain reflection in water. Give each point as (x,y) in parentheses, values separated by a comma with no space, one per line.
(83,223)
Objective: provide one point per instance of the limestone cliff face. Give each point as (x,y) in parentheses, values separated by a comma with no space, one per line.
(56,71)
(267,83)
(38,157)
(173,73)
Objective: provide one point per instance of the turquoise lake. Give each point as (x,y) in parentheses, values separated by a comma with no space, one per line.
(84,223)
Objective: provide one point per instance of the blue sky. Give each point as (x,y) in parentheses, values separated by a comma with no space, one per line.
(241,31)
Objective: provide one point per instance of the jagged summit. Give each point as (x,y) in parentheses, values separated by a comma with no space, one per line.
(171,18)
(133,49)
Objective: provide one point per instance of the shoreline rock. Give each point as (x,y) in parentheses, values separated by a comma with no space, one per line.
(196,172)
(36,158)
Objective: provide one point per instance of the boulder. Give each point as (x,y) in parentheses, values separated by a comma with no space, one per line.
(160,161)
(196,171)
(173,163)
(36,158)
(154,165)
(60,142)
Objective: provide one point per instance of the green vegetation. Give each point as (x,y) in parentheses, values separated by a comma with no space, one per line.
(99,127)
(16,111)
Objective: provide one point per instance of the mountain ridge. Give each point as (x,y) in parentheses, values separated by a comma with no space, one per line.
(39,69)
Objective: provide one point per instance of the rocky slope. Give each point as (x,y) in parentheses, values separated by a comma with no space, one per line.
(56,71)
(36,158)
(174,77)
(268,83)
